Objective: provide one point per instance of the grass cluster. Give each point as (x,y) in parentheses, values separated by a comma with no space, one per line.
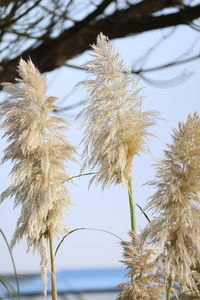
(163,259)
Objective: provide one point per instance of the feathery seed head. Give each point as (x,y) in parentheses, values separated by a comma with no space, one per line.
(39,150)
(177,229)
(115,125)
(145,283)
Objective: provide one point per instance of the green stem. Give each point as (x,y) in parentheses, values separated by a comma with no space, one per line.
(13,263)
(131,204)
(146,216)
(80,175)
(84,228)
(168,288)
(53,270)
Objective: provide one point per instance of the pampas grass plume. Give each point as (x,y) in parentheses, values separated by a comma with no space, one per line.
(39,150)
(144,282)
(115,125)
(176,230)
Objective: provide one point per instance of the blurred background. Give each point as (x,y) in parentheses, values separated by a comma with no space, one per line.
(158,40)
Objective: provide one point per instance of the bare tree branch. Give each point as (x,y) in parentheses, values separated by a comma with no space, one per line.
(167,65)
(146,70)
(53,52)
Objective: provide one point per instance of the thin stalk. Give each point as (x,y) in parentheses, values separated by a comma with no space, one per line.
(53,270)
(168,288)
(131,204)
(13,263)
(146,216)
(84,228)
(80,175)
(8,287)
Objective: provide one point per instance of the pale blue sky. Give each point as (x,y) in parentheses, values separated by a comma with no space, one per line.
(109,210)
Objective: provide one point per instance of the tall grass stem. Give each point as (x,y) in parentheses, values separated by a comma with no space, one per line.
(131,204)
(53,269)
(168,288)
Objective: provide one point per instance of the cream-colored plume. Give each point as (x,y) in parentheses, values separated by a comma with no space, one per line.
(115,125)
(144,281)
(39,150)
(177,229)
